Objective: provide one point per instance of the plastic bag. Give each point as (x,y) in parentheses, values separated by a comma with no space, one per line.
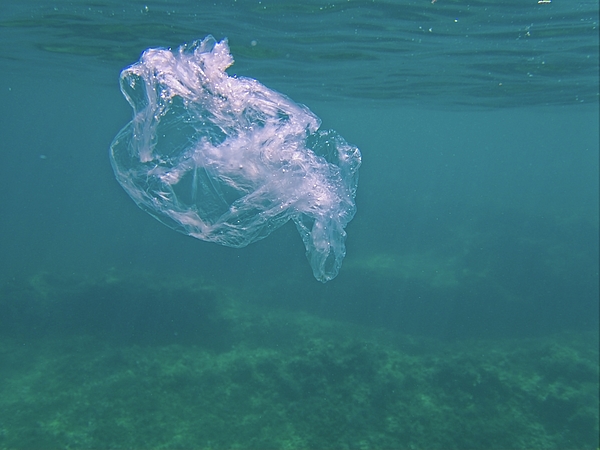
(227,160)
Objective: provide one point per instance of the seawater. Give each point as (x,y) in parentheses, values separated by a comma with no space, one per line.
(468,299)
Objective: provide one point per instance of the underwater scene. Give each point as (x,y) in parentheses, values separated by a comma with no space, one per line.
(365,224)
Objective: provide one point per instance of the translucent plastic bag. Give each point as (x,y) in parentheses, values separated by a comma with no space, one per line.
(227,160)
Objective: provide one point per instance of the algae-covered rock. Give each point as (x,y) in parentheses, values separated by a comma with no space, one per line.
(189,365)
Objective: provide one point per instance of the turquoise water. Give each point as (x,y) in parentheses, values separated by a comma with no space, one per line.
(465,314)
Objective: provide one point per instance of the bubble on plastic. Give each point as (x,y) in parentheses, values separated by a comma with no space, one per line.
(227,160)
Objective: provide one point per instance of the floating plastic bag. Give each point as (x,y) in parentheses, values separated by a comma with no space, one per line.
(227,160)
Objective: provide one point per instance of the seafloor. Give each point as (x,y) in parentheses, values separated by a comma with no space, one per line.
(116,362)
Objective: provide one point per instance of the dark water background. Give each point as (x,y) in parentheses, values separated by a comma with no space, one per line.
(477,216)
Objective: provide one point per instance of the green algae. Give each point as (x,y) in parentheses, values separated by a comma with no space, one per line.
(229,375)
